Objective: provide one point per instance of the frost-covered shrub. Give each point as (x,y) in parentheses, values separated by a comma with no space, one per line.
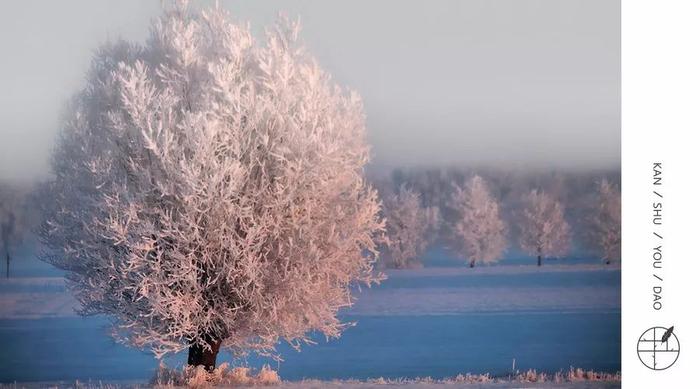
(209,190)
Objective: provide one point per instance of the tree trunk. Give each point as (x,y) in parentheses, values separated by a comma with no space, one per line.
(199,355)
(472,263)
(539,260)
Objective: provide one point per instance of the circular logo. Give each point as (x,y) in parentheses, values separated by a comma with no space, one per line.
(658,348)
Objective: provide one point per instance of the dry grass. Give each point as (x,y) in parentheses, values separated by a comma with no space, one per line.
(589,375)
(573,375)
(223,376)
(529,376)
(197,377)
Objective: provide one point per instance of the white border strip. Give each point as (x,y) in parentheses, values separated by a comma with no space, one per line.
(661,122)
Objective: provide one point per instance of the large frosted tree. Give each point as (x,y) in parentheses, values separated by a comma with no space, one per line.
(543,230)
(607,222)
(479,233)
(209,190)
(406,228)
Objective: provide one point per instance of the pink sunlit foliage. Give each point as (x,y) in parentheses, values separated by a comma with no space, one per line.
(543,230)
(209,190)
(479,233)
(607,222)
(406,228)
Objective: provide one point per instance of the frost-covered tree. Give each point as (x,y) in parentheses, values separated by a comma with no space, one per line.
(209,190)
(8,225)
(406,228)
(607,222)
(543,230)
(433,223)
(14,224)
(479,233)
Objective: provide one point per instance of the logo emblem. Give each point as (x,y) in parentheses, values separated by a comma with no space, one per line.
(658,348)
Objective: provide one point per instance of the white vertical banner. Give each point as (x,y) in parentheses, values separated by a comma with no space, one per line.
(660,193)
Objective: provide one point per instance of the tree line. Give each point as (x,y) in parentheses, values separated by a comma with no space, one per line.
(480,213)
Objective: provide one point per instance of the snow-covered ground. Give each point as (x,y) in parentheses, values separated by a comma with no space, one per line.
(349,385)
(456,385)
(357,385)
(495,289)
(35,298)
(437,322)
(428,291)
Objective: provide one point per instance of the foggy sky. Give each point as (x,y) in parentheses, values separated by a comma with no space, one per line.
(508,83)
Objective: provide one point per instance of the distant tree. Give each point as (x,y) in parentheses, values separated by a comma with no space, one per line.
(479,233)
(209,191)
(14,223)
(433,223)
(607,221)
(543,230)
(406,228)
